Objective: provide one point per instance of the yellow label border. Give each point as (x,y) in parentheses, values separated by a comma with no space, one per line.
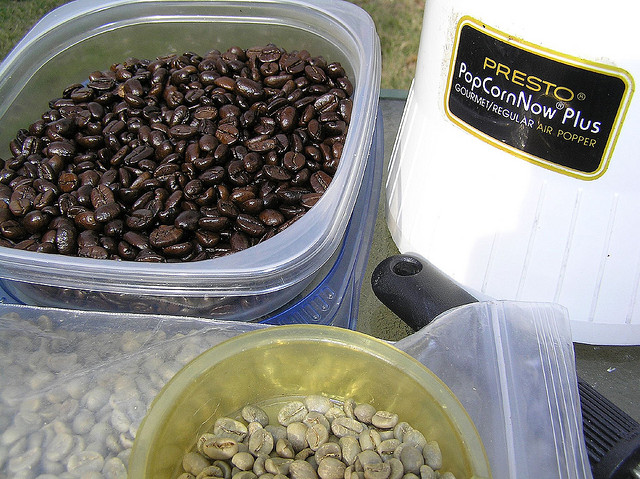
(538,50)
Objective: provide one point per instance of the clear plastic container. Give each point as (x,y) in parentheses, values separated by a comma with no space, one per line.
(345,364)
(332,297)
(84,36)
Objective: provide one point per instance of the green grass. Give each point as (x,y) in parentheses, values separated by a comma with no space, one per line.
(398,23)
(18,16)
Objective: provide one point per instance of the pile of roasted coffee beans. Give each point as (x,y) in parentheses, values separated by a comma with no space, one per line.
(314,438)
(182,158)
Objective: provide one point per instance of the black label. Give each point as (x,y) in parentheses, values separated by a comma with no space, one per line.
(548,108)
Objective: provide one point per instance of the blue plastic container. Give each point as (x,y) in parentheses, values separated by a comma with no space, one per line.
(334,301)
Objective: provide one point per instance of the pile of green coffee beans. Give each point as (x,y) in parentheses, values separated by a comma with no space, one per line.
(314,438)
(182,158)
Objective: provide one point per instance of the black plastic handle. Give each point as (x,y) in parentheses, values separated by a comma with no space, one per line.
(417,292)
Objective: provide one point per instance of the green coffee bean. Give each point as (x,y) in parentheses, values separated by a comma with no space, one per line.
(381,470)
(252,413)
(220,448)
(300,469)
(285,449)
(329,449)
(411,458)
(320,404)
(331,468)
(227,427)
(432,455)
(314,438)
(278,465)
(295,411)
(210,472)
(261,442)
(194,463)
(346,426)
(243,461)
(384,419)
(364,413)
(427,473)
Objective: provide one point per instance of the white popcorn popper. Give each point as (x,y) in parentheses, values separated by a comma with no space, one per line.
(511,364)
(515,169)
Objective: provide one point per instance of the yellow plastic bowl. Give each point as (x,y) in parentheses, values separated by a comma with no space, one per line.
(297,360)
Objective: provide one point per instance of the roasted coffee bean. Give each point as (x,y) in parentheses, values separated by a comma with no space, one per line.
(308,200)
(66,239)
(301,177)
(214,223)
(261,143)
(198,144)
(182,132)
(20,206)
(136,240)
(240,195)
(249,88)
(178,250)
(187,220)
(252,206)
(227,208)
(290,196)
(96,252)
(293,161)
(139,219)
(12,230)
(320,181)
(193,189)
(126,251)
(86,220)
(107,212)
(139,153)
(207,239)
(164,236)
(149,256)
(101,195)
(68,182)
(271,217)
(276,173)
(114,228)
(35,221)
(227,134)
(28,244)
(250,225)
(239,241)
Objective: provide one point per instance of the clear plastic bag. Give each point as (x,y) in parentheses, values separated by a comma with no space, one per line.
(75,385)
(511,364)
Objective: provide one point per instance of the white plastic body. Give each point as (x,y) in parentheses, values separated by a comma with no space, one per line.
(505,226)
